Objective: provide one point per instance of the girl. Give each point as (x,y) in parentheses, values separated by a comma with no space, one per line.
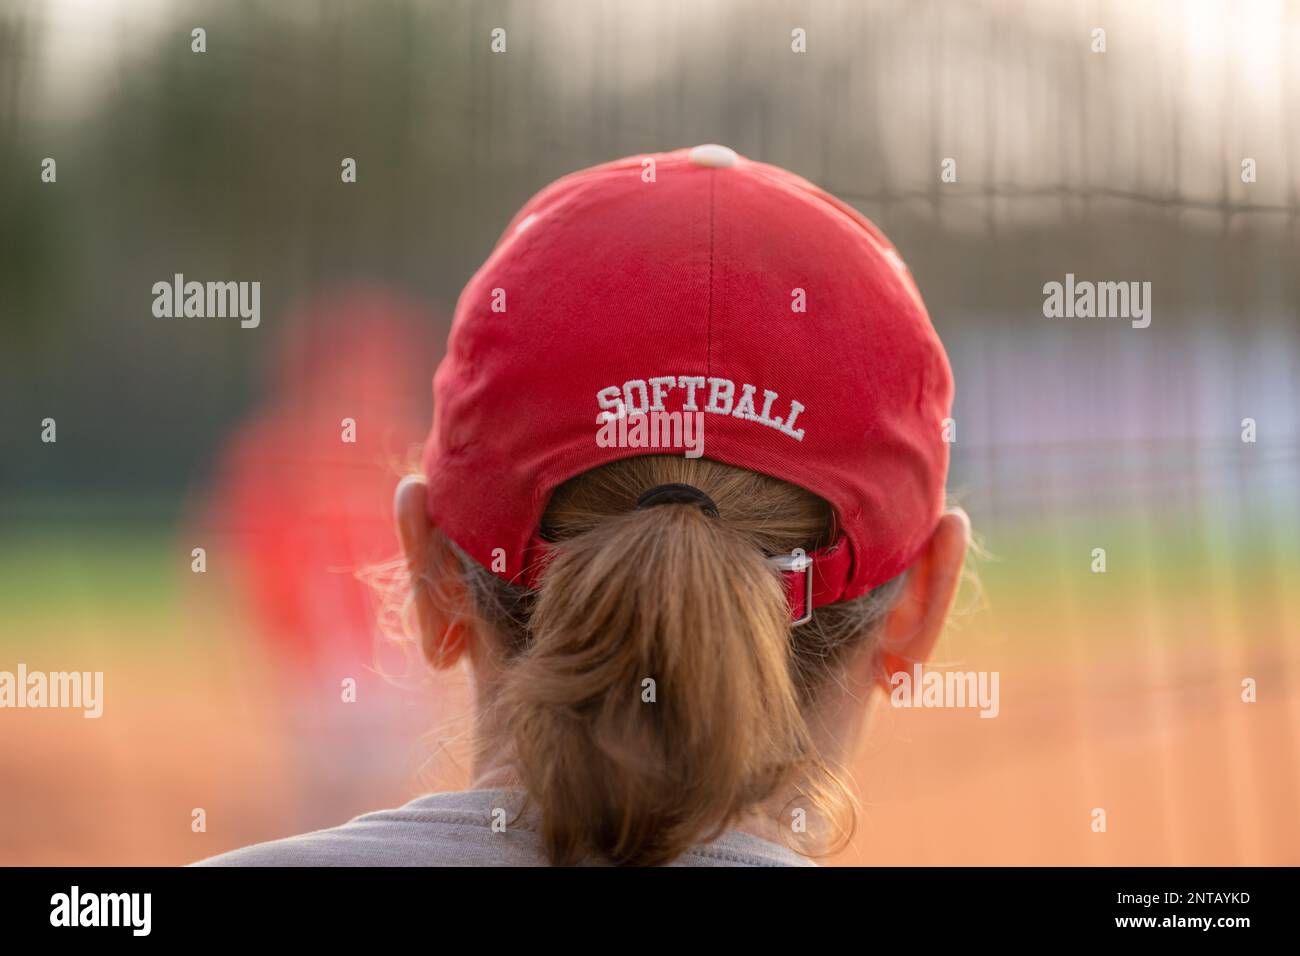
(672,654)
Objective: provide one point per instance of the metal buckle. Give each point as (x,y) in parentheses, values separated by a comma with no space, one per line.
(798,561)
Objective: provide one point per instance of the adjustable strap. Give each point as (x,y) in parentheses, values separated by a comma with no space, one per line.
(816,579)
(821,575)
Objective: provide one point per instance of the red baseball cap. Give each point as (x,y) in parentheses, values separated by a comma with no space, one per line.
(695,281)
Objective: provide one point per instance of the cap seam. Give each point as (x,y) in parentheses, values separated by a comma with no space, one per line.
(708,320)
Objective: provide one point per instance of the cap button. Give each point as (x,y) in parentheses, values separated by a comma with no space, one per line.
(713,156)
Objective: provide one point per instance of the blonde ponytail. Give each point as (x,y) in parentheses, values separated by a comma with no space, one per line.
(655,702)
(653,694)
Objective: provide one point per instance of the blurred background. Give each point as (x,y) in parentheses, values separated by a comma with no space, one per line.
(1119,691)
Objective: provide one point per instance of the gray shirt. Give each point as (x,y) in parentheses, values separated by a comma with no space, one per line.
(456,829)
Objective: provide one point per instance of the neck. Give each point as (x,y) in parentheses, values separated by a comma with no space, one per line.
(778,820)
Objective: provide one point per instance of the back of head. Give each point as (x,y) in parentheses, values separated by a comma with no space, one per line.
(659,672)
(654,690)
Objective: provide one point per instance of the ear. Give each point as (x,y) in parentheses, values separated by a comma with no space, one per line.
(912,627)
(443,631)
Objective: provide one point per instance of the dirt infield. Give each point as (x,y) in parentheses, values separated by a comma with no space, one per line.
(1186,775)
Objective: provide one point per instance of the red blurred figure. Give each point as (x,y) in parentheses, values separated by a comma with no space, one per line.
(306,483)
(302,502)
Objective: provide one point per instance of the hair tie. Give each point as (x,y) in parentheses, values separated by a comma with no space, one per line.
(677,494)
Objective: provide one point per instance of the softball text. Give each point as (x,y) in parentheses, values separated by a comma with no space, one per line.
(639,395)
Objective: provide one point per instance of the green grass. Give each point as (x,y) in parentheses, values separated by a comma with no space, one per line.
(68,574)
(120,569)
